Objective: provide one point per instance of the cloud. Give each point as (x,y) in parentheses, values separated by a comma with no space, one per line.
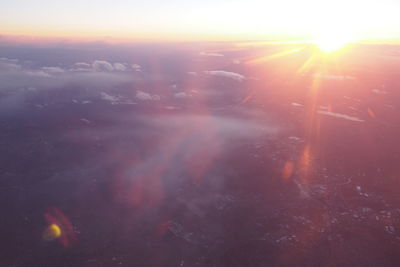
(9,60)
(101,65)
(115,100)
(136,67)
(146,96)
(108,97)
(81,67)
(294,104)
(16,76)
(7,64)
(120,67)
(143,96)
(211,54)
(226,74)
(339,115)
(187,144)
(85,120)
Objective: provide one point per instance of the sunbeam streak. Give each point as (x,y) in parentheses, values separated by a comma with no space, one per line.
(275,56)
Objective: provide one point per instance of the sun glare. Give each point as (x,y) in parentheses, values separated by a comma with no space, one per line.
(330,44)
(331,37)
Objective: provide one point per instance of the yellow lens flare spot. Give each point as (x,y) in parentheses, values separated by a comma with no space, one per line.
(52,232)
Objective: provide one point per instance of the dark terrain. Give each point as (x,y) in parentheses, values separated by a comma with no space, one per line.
(166,167)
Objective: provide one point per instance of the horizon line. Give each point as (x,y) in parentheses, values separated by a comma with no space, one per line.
(37,39)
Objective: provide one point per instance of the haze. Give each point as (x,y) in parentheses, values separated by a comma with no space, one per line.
(199,20)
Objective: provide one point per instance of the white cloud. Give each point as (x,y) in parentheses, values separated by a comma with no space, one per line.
(17,75)
(211,54)
(115,100)
(294,138)
(7,64)
(85,120)
(108,97)
(83,65)
(297,104)
(9,60)
(226,74)
(146,96)
(136,67)
(101,65)
(120,67)
(143,96)
(339,115)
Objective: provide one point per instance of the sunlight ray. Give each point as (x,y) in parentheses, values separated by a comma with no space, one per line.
(274,56)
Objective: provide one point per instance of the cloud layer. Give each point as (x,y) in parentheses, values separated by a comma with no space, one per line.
(16,74)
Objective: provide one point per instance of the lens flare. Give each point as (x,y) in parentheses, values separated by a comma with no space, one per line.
(59,227)
(52,232)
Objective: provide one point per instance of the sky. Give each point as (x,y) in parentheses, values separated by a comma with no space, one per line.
(201,20)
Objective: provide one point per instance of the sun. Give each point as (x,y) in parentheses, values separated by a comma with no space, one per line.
(331,39)
(331,44)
